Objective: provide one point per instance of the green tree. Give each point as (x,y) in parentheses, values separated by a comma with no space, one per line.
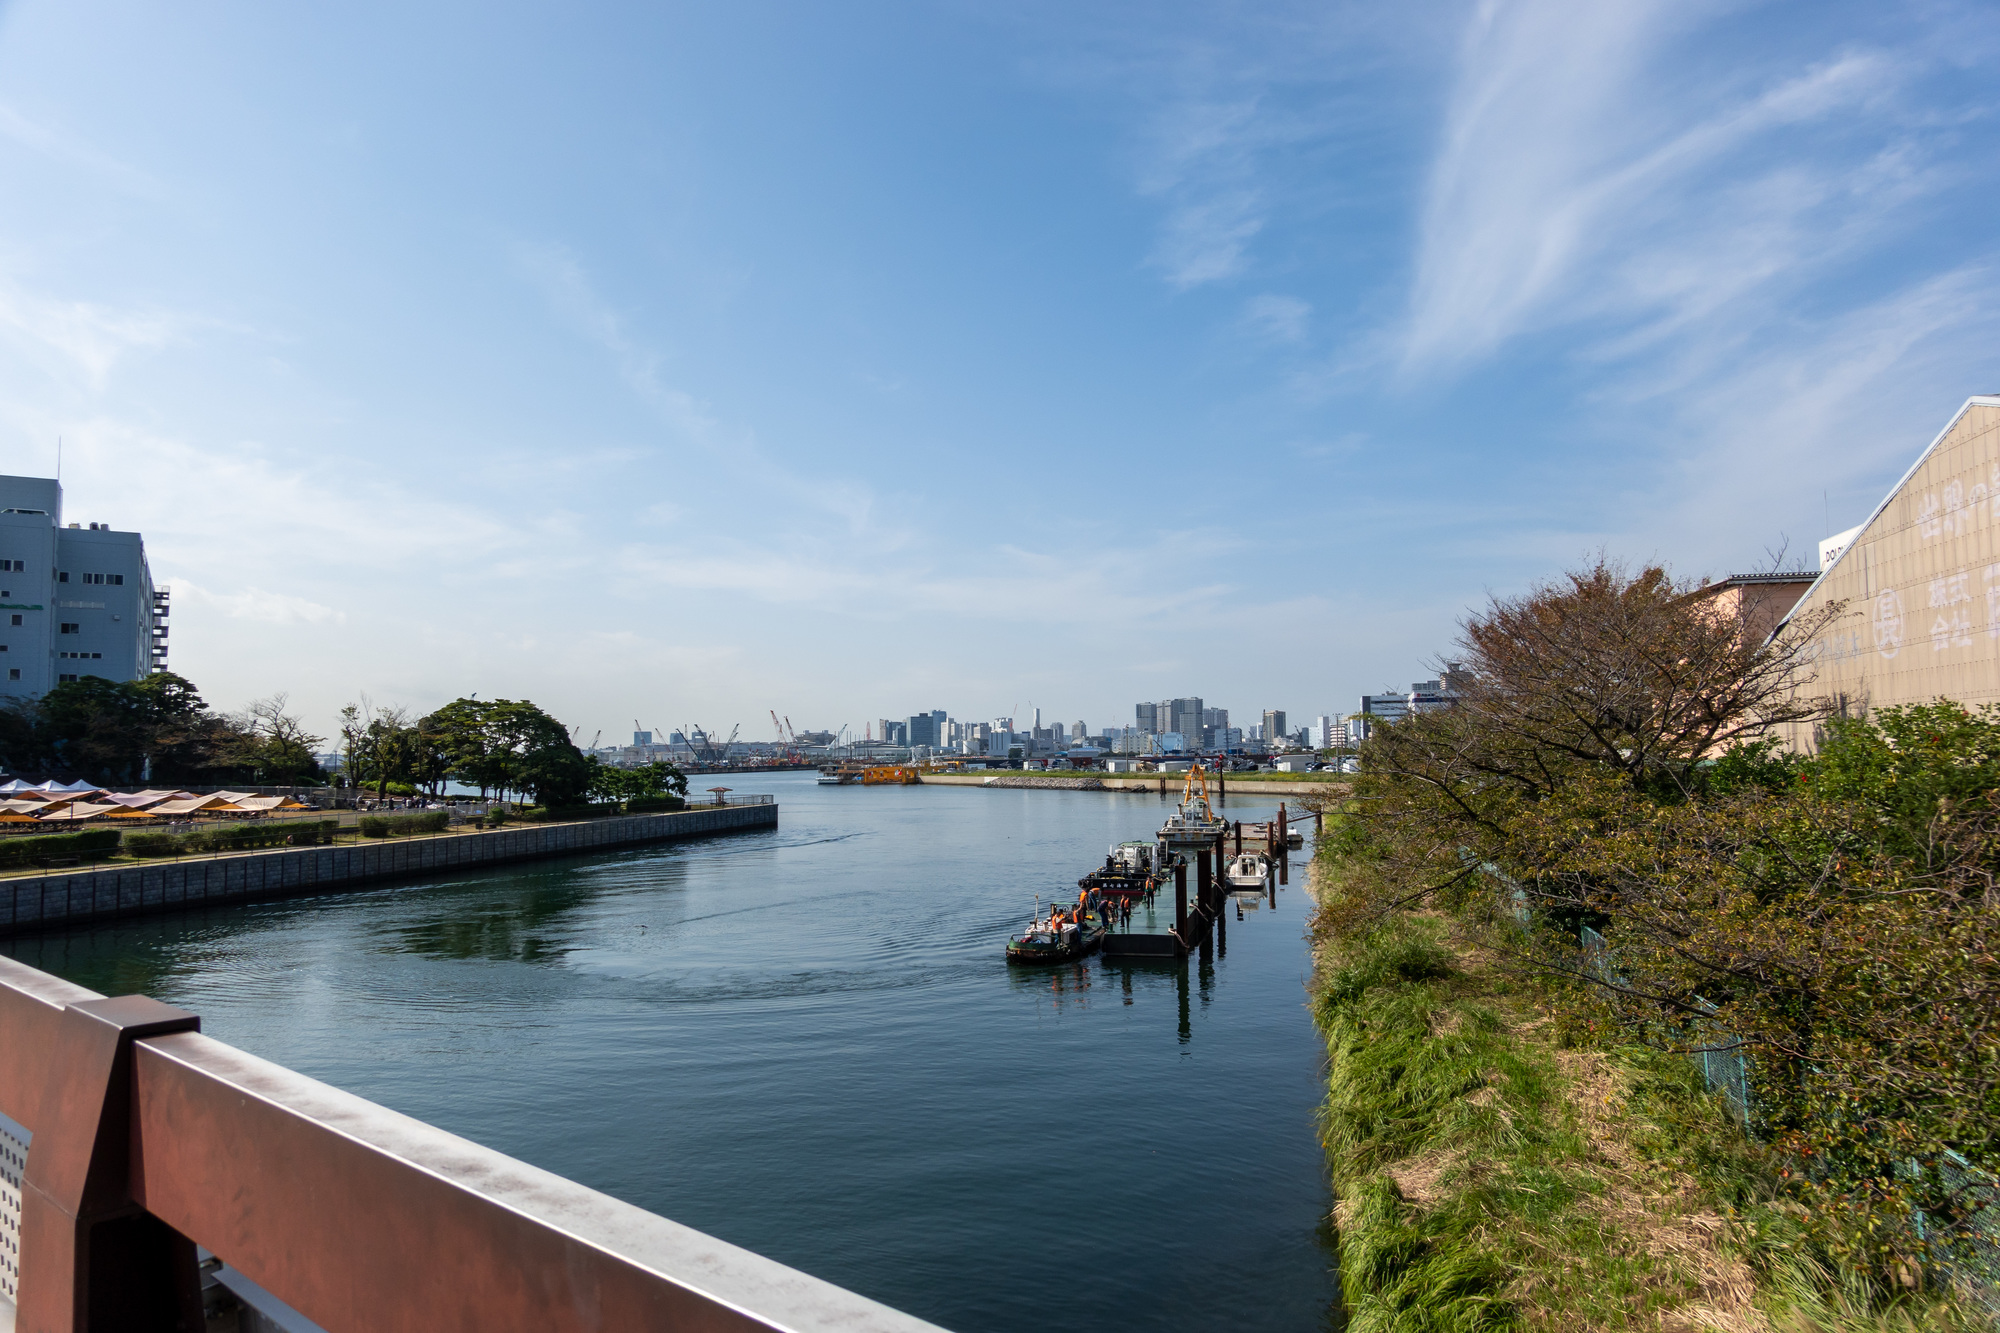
(608,783)
(509,745)
(464,741)
(379,745)
(100,728)
(279,747)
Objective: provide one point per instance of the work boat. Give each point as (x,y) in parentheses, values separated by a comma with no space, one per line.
(1247,872)
(1130,870)
(838,776)
(1193,827)
(1062,937)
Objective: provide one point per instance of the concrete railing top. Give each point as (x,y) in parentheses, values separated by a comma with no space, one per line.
(355,1216)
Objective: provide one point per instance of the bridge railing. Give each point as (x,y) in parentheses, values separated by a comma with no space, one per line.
(146,1139)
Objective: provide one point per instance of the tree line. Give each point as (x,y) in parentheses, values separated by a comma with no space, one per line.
(1612,797)
(501,746)
(159,730)
(155,729)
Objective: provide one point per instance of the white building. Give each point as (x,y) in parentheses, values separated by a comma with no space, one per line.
(78,600)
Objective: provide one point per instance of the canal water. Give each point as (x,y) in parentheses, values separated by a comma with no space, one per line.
(807,1042)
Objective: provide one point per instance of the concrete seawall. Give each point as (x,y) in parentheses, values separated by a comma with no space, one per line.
(1168,783)
(42,901)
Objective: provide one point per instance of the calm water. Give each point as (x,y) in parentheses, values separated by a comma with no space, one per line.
(807,1042)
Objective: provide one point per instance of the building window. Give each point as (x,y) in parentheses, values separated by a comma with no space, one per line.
(62,576)
(65,677)
(17,620)
(71,627)
(116,580)
(13,673)
(93,578)
(12,567)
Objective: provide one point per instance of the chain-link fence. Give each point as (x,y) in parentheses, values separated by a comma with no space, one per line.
(1971,1248)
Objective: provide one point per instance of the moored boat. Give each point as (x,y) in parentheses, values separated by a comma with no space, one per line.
(1062,937)
(1247,871)
(1193,827)
(1130,870)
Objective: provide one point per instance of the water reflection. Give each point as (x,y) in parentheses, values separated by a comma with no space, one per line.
(531,924)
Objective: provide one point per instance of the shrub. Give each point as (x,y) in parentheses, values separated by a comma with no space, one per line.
(38,849)
(150,844)
(234,837)
(643,805)
(402,826)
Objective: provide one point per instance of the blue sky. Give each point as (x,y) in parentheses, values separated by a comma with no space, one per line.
(682,362)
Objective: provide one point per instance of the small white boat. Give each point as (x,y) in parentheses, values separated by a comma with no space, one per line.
(1248,872)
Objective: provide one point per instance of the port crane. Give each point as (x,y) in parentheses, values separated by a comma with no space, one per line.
(705,750)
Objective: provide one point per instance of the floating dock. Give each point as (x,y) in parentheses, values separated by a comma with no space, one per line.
(1176,919)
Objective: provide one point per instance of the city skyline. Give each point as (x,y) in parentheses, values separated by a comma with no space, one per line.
(757,357)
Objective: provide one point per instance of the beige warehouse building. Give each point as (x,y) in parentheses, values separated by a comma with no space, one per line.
(1921,580)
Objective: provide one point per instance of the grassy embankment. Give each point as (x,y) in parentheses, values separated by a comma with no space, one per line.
(1495,1170)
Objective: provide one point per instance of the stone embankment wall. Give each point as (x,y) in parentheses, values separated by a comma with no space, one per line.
(33,902)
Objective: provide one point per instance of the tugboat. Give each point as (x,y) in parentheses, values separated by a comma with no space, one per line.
(1249,872)
(1063,937)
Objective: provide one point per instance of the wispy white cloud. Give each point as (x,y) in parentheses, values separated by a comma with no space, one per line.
(68,150)
(563,280)
(1280,319)
(79,340)
(255,603)
(1202,167)
(1582,179)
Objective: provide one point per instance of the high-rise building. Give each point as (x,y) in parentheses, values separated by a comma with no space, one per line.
(925,729)
(1179,715)
(1147,718)
(1078,731)
(1274,724)
(77,601)
(1215,717)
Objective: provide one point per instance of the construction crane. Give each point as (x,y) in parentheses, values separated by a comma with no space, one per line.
(705,752)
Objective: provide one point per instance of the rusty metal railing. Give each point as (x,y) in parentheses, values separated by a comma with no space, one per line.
(149,1139)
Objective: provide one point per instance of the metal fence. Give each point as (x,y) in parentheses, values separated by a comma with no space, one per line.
(1970,1250)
